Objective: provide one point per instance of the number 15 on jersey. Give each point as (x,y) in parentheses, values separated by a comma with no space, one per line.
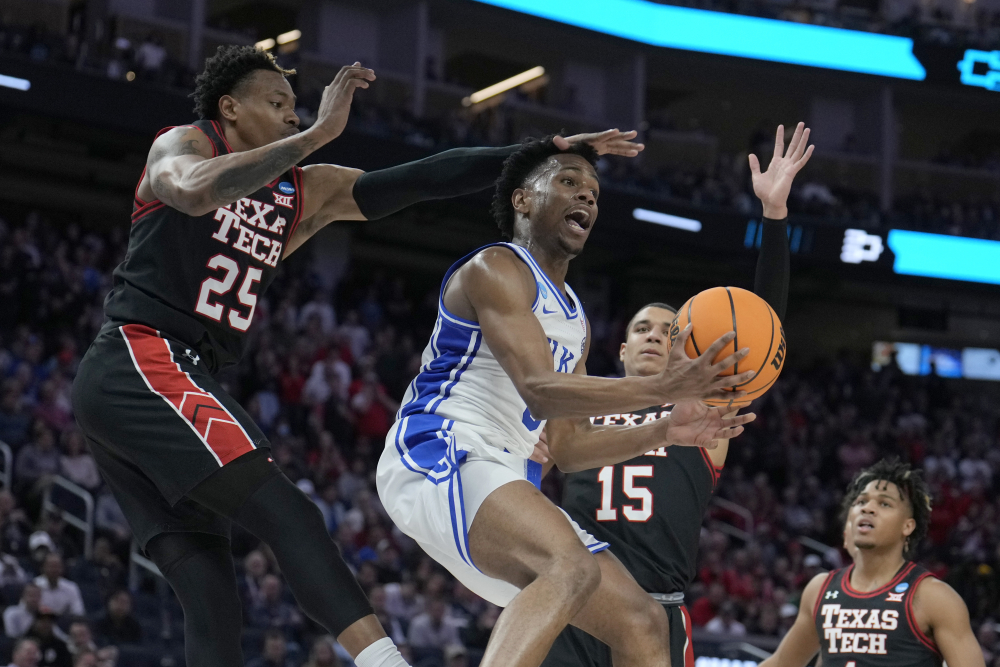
(640,514)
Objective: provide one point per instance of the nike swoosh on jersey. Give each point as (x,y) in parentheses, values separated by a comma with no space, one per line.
(546,311)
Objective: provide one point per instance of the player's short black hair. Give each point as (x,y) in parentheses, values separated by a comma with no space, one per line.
(655,304)
(225,71)
(911,485)
(519,167)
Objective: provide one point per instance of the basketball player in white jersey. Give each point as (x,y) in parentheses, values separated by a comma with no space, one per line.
(506,354)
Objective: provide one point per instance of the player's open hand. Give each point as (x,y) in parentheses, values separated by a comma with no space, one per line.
(609,142)
(773,185)
(699,379)
(694,424)
(335,107)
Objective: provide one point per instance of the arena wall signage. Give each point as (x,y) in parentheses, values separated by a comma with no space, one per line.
(732,35)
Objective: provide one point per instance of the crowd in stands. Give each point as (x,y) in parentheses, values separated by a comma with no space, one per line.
(723,185)
(323,374)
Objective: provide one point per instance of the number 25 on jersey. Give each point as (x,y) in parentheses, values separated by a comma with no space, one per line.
(208,307)
(639,514)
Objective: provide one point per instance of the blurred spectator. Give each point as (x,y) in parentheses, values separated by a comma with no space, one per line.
(14,420)
(477,633)
(390,623)
(60,595)
(118,625)
(14,527)
(150,56)
(726,623)
(81,644)
(11,572)
(19,618)
(275,653)
(37,459)
(108,516)
(705,608)
(104,568)
(255,567)
(271,611)
(455,655)
(26,653)
(435,628)
(76,464)
(55,652)
(323,654)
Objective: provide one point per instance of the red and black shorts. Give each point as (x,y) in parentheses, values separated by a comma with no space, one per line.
(158,425)
(575,648)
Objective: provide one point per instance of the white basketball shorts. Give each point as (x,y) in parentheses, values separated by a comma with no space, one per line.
(432,485)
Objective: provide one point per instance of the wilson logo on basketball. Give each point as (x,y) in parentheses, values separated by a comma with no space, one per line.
(779,355)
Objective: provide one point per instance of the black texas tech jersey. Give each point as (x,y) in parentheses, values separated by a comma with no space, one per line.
(649,509)
(875,629)
(197,279)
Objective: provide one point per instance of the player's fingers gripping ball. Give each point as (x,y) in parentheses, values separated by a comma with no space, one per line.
(718,311)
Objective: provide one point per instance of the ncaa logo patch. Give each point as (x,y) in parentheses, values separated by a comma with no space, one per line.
(543,290)
(286,187)
(902,587)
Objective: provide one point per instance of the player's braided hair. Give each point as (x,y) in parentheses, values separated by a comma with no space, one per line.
(519,167)
(225,71)
(911,485)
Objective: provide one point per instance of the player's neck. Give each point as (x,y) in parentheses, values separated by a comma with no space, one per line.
(233,138)
(554,264)
(874,568)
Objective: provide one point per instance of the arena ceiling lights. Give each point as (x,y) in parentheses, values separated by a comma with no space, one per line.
(666,220)
(282,39)
(14,82)
(732,35)
(505,85)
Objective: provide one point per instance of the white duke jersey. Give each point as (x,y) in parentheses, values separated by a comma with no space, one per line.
(462,399)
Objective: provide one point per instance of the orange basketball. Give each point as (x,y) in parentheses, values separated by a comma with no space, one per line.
(720,310)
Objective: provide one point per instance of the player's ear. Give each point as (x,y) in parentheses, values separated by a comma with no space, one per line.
(621,354)
(909,526)
(520,201)
(227,107)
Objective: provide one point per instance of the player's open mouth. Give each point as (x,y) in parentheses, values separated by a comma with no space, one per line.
(650,352)
(578,219)
(865,526)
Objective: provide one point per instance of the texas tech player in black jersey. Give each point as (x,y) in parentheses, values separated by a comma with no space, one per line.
(878,626)
(649,508)
(215,264)
(884,610)
(220,203)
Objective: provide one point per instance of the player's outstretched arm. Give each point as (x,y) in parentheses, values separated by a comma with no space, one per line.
(183,174)
(773,187)
(801,643)
(940,609)
(497,289)
(339,193)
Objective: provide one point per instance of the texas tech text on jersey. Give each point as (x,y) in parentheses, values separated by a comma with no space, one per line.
(876,628)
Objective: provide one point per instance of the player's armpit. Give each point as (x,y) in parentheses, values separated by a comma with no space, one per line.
(941,613)
(801,643)
(326,196)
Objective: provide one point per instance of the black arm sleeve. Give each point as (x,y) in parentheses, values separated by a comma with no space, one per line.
(771,281)
(459,171)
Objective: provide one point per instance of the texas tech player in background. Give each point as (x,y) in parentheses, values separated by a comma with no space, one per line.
(883,610)
(650,508)
(220,203)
